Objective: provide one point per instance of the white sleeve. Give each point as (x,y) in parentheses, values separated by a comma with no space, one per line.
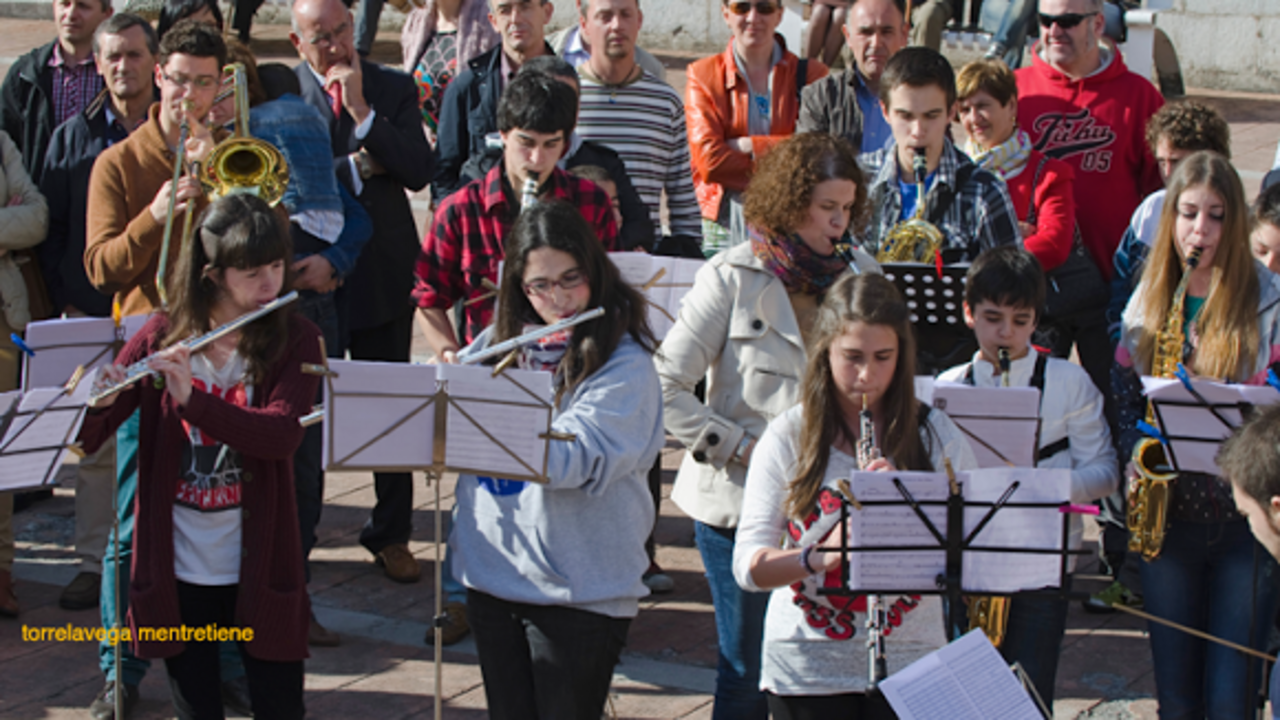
(763,523)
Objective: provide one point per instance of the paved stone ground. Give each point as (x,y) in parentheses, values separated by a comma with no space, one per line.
(384,670)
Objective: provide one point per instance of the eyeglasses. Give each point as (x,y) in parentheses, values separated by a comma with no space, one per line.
(324,38)
(568,281)
(203,82)
(762,8)
(1066,21)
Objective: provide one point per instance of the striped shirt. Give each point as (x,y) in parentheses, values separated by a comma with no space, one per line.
(74,86)
(978,216)
(643,122)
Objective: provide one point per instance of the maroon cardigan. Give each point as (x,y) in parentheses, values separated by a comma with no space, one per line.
(273,595)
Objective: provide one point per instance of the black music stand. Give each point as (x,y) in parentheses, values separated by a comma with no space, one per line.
(935,297)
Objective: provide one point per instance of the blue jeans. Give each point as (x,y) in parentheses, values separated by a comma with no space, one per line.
(1216,578)
(1034,638)
(740,627)
(133,667)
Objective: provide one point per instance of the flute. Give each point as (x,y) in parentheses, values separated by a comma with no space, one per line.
(141,369)
(516,343)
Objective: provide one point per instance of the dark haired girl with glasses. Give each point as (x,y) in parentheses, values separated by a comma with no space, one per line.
(553,570)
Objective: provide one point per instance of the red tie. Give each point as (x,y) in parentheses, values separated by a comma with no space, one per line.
(335,98)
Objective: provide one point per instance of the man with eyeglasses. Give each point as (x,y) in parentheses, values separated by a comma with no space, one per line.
(379,152)
(129,190)
(848,105)
(1080,104)
(467,133)
(54,82)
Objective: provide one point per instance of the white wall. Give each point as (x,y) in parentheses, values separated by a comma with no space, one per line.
(1226,44)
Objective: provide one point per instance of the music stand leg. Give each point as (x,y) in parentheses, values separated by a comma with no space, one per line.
(115,560)
(438,618)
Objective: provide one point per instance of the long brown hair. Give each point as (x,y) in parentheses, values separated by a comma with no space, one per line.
(238,231)
(560,226)
(1228,322)
(873,300)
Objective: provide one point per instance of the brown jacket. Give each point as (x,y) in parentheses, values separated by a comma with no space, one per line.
(122,239)
(717,101)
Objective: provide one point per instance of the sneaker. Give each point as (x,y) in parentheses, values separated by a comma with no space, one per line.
(399,564)
(1114,594)
(657,581)
(453,627)
(82,593)
(235,696)
(103,707)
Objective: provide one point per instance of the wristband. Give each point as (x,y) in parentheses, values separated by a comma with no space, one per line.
(804,560)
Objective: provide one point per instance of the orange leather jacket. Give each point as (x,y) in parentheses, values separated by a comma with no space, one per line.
(717,102)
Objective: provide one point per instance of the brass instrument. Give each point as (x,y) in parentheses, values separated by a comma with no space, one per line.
(914,239)
(142,368)
(241,163)
(1148,510)
(991,612)
(179,164)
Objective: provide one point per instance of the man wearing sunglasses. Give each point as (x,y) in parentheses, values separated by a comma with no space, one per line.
(1080,104)
(848,105)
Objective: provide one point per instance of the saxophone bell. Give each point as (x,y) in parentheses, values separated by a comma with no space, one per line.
(914,239)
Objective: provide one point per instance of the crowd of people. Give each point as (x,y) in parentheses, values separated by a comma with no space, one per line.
(1086,210)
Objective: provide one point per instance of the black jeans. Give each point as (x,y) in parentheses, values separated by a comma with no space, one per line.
(544,661)
(392,518)
(274,687)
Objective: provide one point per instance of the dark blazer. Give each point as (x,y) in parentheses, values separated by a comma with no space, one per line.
(75,145)
(636,232)
(26,107)
(380,285)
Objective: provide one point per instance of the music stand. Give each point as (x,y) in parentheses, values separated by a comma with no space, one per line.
(37,429)
(935,297)
(1194,416)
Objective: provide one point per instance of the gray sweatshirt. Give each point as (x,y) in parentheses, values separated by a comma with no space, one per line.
(578,541)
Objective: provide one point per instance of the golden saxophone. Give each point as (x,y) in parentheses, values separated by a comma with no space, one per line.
(1148,510)
(991,612)
(914,239)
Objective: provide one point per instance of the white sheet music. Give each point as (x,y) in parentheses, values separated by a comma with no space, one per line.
(365,401)
(1015,527)
(966,680)
(496,424)
(61,345)
(890,525)
(1007,419)
(33,446)
(666,293)
(1195,433)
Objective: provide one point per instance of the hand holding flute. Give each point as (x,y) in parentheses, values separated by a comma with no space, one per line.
(173,364)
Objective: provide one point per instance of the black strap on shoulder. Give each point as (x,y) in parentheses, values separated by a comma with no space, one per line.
(802,74)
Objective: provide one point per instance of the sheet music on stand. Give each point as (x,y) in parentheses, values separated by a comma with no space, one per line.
(964,680)
(392,416)
(663,280)
(1196,430)
(62,344)
(37,428)
(1001,424)
(1020,546)
(934,301)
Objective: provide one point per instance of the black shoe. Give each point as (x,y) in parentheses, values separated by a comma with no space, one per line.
(235,696)
(82,593)
(104,706)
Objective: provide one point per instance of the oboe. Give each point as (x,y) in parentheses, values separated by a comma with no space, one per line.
(868,452)
(142,369)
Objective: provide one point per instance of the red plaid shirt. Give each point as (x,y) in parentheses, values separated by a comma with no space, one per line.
(464,245)
(74,86)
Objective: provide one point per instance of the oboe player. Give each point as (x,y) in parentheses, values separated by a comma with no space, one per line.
(216,539)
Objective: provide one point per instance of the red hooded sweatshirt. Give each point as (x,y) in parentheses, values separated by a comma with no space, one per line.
(1097,125)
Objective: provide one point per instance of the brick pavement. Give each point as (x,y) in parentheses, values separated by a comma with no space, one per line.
(384,670)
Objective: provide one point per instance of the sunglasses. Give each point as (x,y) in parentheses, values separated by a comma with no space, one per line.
(1066,21)
(762,8)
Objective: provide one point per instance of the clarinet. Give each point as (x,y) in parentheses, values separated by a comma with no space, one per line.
(868,452)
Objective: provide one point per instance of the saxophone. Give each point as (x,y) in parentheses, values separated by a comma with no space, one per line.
(914,239)
(1148,510)
(991,613)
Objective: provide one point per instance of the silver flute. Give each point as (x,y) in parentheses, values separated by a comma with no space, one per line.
(515,343)
(141,369)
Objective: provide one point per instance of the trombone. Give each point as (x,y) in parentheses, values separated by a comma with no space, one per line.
(240,163)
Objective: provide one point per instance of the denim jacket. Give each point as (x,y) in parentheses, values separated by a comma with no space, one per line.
(302,135)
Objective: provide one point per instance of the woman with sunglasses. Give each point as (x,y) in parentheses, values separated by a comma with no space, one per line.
(1078,102)
(731,124)
(553,570)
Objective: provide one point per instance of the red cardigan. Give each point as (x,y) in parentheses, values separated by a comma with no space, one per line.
(1055,208)
(273,594)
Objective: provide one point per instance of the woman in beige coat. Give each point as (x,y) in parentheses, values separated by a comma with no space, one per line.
(24,221)
(743,328)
